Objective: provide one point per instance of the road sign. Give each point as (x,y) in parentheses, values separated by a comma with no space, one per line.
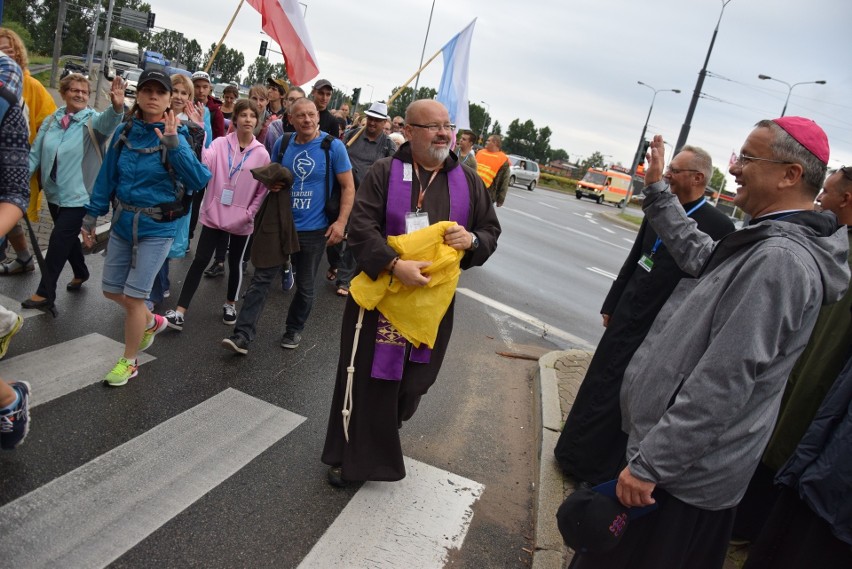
(134,19)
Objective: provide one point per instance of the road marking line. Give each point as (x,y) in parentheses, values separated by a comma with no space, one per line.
(62,368)
(15,306)
(415,522)
(592,221)
(569,229)
(608,230)
(629,240)
(602,272)
(548,205)
(96,513)
(546,328)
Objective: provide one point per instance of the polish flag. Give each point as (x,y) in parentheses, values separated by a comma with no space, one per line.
(283,22)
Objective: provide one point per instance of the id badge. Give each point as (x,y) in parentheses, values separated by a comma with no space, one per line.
(227,196)
(647,263)
(415,221)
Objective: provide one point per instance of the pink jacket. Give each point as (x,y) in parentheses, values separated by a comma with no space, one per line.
(231,170)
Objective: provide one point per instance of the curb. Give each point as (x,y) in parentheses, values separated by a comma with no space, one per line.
(613,218)
(549,551)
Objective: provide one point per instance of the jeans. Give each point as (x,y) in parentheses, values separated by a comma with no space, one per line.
(64,245)
(305,263)
(254,301)
(161,284)
(119,277)
(340,257)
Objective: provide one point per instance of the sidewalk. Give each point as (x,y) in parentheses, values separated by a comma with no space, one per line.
(560,374)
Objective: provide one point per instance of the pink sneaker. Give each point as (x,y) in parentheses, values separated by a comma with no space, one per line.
(160,324)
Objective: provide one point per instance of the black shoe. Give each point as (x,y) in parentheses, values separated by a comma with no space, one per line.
(47,305)
(75,284)
(236,343)
(335,477)
(291,340)
(217,269)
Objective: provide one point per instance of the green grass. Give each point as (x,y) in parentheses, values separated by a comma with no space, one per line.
(39,59)
(634,219)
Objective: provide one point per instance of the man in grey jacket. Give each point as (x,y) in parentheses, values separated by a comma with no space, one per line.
(701,395)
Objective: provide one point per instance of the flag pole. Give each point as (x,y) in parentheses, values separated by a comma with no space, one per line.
(221,41)
(398,93)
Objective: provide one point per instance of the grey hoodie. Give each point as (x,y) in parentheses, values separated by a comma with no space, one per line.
(701,395)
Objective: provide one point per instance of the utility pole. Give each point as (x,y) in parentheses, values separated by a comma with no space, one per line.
(103,70)
(57,44)
(90,56)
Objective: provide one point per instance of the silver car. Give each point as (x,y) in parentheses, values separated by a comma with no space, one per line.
(523,172)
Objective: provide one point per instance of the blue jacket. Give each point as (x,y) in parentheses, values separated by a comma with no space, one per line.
(73,152)
(140,179)
(821,468)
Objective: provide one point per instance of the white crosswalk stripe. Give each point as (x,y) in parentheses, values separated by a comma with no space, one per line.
(63,368)
(15,306)
(415,522)
(140,485)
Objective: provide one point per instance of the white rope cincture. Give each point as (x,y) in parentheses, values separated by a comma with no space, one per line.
(350,376)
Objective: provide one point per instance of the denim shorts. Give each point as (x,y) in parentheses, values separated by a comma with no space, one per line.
(136,282)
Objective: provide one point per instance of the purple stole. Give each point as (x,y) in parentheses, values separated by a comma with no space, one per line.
(389,355)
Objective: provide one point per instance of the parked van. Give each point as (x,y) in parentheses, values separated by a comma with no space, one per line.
(604,186)
(523,172)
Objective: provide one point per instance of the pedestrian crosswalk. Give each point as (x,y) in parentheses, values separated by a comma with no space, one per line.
(99,511)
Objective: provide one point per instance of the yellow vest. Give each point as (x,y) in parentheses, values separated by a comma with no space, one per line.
(488,164)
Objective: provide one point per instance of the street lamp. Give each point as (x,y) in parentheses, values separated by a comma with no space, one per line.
(487,120)
(687,123)
(638,156)
(371,92)
(790,88)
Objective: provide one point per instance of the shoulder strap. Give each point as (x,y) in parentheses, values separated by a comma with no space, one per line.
(326,145)
(94,138)
(285,142)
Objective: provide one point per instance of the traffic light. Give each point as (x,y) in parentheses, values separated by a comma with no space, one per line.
(151,17)
(263,46)
(643,151)
(66,29)
(356,96)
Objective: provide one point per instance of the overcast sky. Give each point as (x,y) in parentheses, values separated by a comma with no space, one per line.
(573,65)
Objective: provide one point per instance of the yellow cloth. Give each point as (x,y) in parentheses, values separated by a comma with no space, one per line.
(41,105)
(416,312)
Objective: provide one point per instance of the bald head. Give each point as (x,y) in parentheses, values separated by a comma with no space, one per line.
(429,149)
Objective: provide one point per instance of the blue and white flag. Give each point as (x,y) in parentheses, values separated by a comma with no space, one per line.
(453,90)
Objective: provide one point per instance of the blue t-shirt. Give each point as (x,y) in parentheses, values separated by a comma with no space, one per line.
(307,162)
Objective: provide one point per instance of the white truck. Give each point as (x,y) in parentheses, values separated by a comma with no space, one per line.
(121,55)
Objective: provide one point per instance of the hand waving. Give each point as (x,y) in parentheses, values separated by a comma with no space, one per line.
(170,123)
(116,93)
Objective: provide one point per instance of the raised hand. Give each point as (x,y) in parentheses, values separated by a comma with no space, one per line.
(195,112)
(170,123)
(116,93)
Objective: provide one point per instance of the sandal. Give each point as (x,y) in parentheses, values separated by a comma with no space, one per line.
(342,291)
(16,266)
(331,274)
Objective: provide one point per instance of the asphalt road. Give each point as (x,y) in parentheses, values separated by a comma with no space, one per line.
(265,503)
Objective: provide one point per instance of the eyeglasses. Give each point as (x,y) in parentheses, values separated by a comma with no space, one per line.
(78,92)
(676,171)
(744,159)
(433,128)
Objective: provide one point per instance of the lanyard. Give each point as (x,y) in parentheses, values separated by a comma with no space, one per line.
(239,168)
(659,241)
(422,188)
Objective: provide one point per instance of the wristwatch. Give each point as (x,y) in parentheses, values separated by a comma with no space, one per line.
(474,243)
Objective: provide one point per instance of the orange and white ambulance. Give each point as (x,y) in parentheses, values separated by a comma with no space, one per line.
(604,186)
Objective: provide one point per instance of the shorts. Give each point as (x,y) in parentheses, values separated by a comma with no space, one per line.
(120,278)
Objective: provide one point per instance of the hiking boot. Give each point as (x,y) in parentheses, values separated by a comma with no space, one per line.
(15,424)
(159,325)
(236,343)
(123,371)
(16,266)
(217,269)
(5,340)
(288,279)
(335,477)
(229,314)
(174,320)
(291,340)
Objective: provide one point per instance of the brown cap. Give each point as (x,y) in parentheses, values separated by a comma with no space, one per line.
(323,83)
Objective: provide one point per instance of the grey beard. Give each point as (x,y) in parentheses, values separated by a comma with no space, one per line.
(439,154)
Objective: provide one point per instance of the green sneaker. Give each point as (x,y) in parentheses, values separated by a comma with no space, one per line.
(122,372)
(160,324)
(4,340)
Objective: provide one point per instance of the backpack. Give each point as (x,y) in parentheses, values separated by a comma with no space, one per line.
(332,198)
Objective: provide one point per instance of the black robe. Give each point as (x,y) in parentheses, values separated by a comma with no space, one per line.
(592,445)
(373,451)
